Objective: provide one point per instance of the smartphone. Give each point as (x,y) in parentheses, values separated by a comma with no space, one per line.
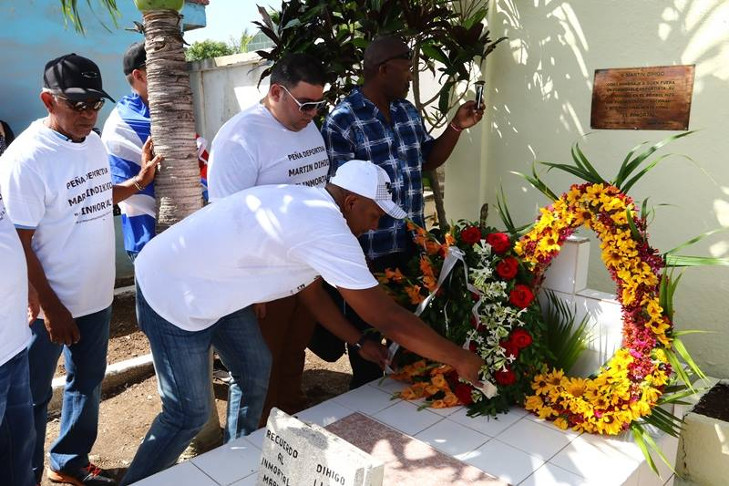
(479,95)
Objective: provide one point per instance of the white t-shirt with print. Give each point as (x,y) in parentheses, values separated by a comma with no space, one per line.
(14,330)
(254,149)
(258,245)
(63,190)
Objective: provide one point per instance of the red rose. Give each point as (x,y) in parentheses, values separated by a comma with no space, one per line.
(471,235)
(505,378)
(521,338)
(472,346)
(507,268)
(463,392)
(521,296)
(510,348)
(499,242)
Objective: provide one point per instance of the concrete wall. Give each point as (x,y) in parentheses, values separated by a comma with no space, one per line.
(222,87)
(539,87)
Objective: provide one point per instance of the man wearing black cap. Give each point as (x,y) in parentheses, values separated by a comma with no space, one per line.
(375,122)
(58,192)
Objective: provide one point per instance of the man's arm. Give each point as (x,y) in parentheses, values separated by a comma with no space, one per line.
(59,322)
(466,117)
(145,177)
(402,326)
(320,304)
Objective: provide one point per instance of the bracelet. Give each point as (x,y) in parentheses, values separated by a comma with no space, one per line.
(360,342)
(454,127)
(137,184)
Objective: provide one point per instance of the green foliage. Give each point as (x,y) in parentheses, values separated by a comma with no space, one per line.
(565,339)
(448,38)
(69,8)
(207,49)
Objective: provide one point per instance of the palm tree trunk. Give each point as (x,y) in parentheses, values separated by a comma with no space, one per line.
(177,186)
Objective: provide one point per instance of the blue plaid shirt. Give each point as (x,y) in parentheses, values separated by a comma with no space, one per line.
(356,129)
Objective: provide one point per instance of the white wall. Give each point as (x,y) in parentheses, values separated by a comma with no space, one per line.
(539,87)
(222,87)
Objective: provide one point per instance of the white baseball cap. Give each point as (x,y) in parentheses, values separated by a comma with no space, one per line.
(368,180)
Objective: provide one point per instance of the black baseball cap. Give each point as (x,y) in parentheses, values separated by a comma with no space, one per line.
(134,58)
(75,77)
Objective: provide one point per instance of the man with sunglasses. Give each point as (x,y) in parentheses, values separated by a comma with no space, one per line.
(375,122)
(57,189)
(275,142)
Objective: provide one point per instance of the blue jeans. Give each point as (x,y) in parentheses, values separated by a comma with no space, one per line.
(16,422)
(182,364)
(85,364)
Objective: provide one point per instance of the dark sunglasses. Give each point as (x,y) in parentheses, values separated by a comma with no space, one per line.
(81,106)
(307,106)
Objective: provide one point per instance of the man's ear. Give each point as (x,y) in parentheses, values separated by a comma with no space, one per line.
(48,100)
(349,200)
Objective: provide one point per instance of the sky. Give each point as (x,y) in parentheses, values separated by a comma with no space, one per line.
(228,19)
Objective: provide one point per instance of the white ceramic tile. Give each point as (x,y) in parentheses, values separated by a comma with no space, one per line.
(596,458)
(406,418)
(256,438)
(249,481)
(503,461)
(541,440)
(229,462)
(388,385)
(452,438)
(323,414)
(365,399)
(491,426)
(185,474)
(551,475)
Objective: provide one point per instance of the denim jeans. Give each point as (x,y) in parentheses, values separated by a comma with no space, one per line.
(85,364)
(182,364)
(16,422)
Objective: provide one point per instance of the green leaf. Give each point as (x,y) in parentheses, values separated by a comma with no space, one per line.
(628,167)
(434,53)
(637,235)
(678,368)
(695,239)
(582,161)
(638,434)
(694,261)
(565,339)
(683,352)
(535,181)
(577,171)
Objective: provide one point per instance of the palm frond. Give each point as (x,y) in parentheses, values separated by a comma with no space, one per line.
(503,208)
(579,157)
(630,165)
(576,171)
(695,239)
(537,182)
(565,340)
(69,8)
(694,261)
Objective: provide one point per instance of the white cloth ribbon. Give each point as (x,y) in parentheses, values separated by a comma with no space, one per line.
(453,256)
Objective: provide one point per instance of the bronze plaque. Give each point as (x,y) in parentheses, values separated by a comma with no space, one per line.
(650,98)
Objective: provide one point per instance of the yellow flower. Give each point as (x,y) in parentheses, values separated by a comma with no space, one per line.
(561,423)
(439,381)
(533,403)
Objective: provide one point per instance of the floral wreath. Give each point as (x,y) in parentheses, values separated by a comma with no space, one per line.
(630,384)
(476,292)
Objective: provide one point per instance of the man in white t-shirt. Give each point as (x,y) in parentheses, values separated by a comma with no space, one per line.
(270,241)
(58,192)
(275,142)
(16,405)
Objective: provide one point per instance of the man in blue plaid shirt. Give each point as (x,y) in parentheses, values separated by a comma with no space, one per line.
(375,122)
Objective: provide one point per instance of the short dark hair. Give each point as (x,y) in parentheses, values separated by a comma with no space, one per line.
(297,67)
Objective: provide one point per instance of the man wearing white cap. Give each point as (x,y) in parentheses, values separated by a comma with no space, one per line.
(269,242)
